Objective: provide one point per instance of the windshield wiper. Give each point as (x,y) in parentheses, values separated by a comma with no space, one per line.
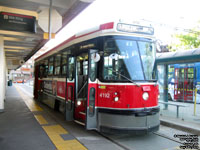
(123,76)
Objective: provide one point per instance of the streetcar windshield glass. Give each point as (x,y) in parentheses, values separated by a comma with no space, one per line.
(147,52)
(122,60)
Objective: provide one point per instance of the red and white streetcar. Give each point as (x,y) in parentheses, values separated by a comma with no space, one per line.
(103,78)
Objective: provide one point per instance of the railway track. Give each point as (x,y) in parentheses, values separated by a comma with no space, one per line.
(123,146)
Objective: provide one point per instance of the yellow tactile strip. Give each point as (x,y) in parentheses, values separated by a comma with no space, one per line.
(40,119)
(29,102)
(53,131)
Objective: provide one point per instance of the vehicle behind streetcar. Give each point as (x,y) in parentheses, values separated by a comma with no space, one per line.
(103,78)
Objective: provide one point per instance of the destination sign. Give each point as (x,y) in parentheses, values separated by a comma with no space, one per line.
(17,22)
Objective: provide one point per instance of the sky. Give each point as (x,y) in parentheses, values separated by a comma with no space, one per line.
(165,16)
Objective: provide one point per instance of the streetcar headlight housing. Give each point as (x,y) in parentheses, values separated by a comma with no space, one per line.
(145,96)
(79,103)
(116,99)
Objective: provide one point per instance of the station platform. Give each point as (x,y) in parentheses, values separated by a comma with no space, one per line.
(28,125)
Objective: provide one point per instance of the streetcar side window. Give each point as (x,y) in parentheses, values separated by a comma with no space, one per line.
(71,68)
(57,64)
(64,63)
(41,71)
(46,67)
(51,66)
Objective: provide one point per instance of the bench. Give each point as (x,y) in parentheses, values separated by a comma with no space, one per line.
(177,106)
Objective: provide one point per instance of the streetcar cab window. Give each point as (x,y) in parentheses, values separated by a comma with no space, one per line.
(57,64)
(64,63)
(128,59)
(147,52)
(122,60)
(51,66)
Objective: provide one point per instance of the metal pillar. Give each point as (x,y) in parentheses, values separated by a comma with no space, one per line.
(50,12)
(166,85)
(2,74)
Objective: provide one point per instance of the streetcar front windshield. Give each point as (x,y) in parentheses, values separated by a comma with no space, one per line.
(128,59)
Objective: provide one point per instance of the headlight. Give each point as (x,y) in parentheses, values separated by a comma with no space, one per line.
(79,103)
(145,96)
(116,99)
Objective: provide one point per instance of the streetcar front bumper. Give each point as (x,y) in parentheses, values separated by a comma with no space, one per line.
(140,121)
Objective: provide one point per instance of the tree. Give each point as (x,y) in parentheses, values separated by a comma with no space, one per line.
(184,41)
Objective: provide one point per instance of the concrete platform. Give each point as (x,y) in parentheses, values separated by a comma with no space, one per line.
(29,125)
(19,130)
(179,124)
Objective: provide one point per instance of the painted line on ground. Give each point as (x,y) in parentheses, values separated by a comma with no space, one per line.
(41,119)
(54,132)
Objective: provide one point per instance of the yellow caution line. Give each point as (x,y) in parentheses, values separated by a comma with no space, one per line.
(54,132)
(29,102)
(41,119)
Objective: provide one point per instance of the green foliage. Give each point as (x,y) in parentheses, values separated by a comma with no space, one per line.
(186,41)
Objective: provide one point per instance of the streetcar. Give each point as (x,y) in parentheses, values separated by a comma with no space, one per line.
(182,82)
(103,78)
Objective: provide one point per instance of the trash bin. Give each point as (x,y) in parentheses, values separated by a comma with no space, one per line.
(10,83)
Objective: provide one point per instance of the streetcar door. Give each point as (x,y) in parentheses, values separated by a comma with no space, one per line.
(70,84)
(188,84)
(183,89)
(81,88)
(179,84)
(36,82)
(91,122)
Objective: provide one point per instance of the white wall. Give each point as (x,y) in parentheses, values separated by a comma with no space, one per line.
(2,74)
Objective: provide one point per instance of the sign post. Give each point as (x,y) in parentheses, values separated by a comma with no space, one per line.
(55,23)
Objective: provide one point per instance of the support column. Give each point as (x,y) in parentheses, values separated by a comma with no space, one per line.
(2,74)
(166,85)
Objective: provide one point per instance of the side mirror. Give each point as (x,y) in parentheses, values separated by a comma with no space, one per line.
(114,56)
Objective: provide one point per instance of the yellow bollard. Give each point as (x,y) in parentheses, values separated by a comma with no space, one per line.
(195,101)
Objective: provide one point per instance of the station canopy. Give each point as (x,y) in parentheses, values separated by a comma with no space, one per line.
(23,37)
(185,56)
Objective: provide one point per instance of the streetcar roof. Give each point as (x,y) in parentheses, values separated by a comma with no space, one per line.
(101,30)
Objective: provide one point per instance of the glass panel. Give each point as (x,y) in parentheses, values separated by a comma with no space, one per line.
(64,58)
(41,71)
(161,75)
(64,69)
(92,102)
(57,60)
(69,97)
(71,68)
(93,70)
(85,68)
(122,60)
(147,52)
(57,70)
(51,66)
(46,68)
